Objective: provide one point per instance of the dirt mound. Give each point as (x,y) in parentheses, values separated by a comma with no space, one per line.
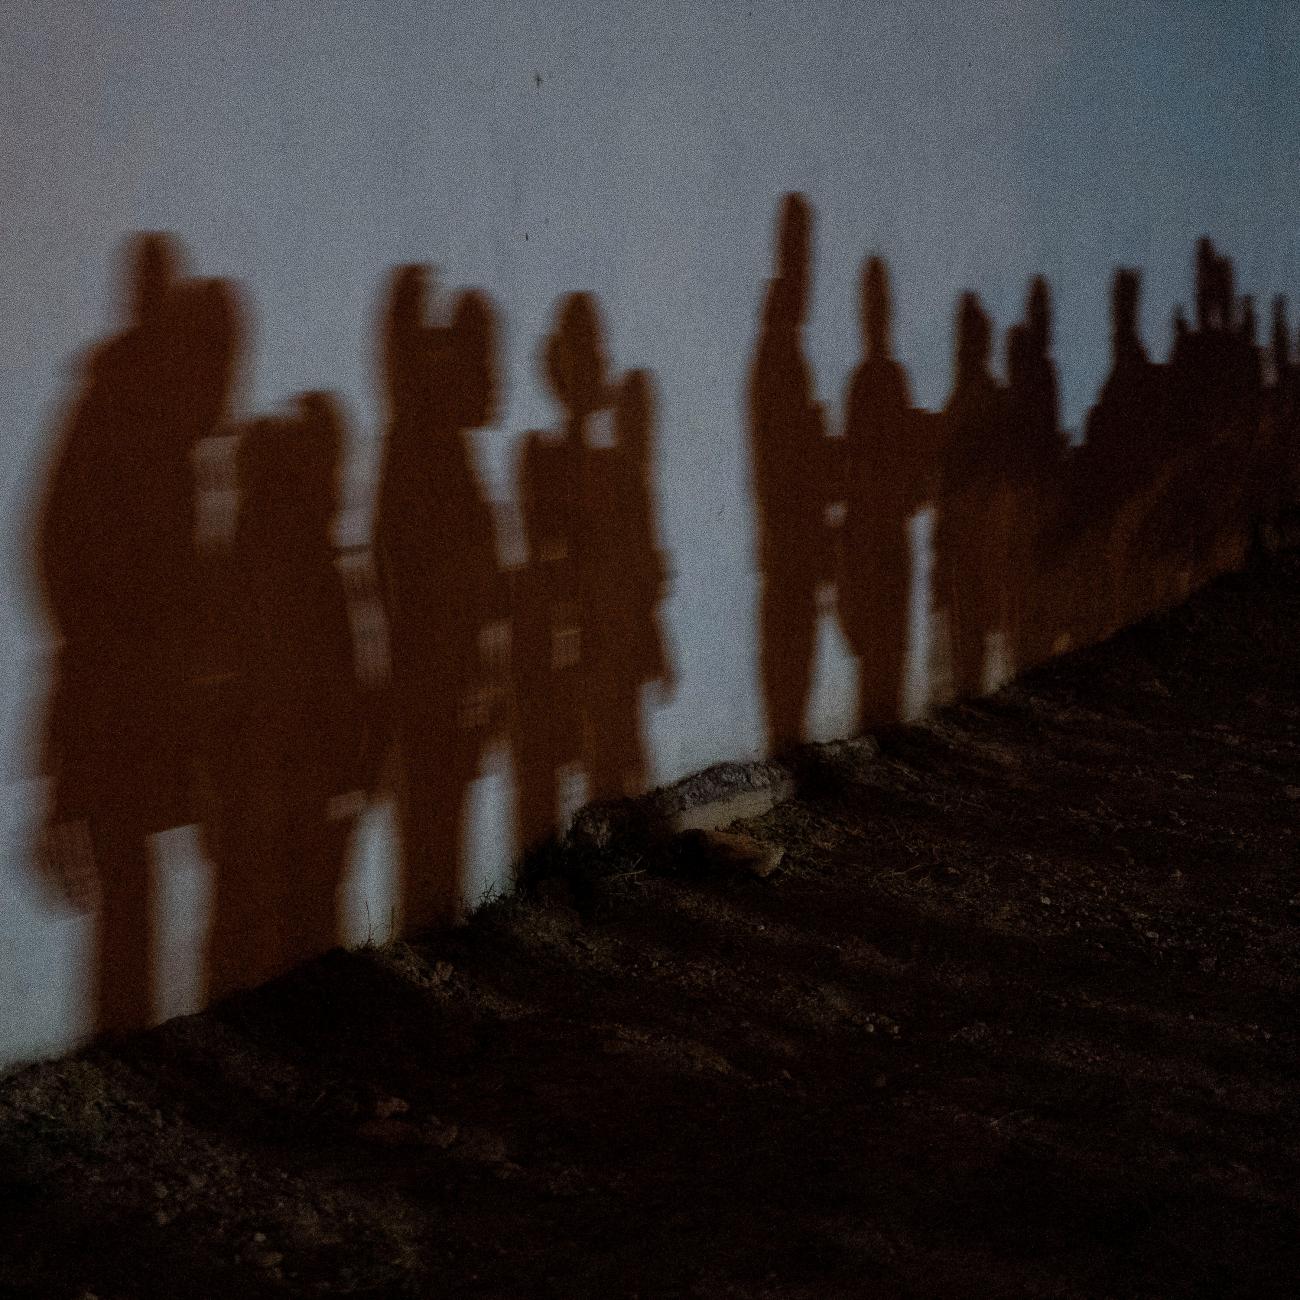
(1013,1015)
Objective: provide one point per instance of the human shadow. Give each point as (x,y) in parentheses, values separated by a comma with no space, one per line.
(1038,456)
(1123,462)
(442,587)
(586,632)
(287,722)
(888,467)
(1215,393)
(119,572)
(976,524)
(1281,417)
(792,465)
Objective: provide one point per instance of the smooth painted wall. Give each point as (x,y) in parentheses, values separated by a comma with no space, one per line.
(637,152)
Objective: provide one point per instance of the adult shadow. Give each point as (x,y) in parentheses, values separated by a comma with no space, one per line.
(1117,477)
(792,466)
(118,567)
(889,473)
(1037,464)
(975,532)
(287,715)
(586,631)
(442,587)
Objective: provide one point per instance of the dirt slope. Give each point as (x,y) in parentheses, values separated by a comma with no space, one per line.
(1016,1016)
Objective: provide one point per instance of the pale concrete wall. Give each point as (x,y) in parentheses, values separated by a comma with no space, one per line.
(634,151)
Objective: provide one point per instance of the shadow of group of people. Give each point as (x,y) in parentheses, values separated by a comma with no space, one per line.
(553,654)
(248,678)
(255,681)
(1039,545)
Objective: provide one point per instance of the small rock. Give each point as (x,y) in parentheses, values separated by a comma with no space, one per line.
(439,1134)
(386,1107)
(482,1147)
(731,850)
(442,972)
(390,1132)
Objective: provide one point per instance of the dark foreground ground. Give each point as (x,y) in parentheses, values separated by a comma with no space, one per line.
(1017,1016)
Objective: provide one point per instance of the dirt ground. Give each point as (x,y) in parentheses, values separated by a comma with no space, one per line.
(1016,1016)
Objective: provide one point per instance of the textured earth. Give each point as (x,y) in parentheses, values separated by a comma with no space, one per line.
(1015,1016)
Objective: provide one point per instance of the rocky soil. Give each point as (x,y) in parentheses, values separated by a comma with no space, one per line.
(1014,1016)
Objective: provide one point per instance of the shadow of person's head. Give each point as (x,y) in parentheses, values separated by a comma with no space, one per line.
(574,361)
(471,341)
(876,310)
(974,339)
(794,254)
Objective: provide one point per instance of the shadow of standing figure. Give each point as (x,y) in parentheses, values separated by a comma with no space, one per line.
(975,525)
(1124,460)
(1213,390)
(548,642)
(1038,457)
(118,565)
(623,577)
(586,632)
(288,729)
(888,476)
(1281,417)
(791,459)
(436,557)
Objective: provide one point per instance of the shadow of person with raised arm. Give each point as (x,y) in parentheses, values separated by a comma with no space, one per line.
(436,556)
(974,527)
(790,459)
(1202,362)
(1037,468)
(888,476)
(118,566)
(288,729)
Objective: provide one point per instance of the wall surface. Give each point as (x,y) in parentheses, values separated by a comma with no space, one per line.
(637,153)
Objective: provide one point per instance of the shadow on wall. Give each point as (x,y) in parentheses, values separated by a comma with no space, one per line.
(253,681)
(259,684)
(120,572)
(1039,546)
